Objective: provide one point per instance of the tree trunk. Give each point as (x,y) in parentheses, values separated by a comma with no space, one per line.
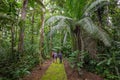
(21,34)
(78,37)
(62,38)
(13,39)
(74,44)
(42,35)
(50,47)
(79,42)
(32,38)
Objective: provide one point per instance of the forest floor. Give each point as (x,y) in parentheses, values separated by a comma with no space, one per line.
(37,73)
(57,71)
(72,74)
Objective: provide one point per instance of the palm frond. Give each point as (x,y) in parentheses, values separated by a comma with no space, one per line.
(60,26)
(88,25)
(95,5)
(53,19)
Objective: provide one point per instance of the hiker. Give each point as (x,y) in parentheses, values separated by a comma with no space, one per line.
(55,57)
(60,57)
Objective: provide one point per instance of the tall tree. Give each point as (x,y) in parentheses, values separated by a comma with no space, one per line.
(22,27)
(80,21)
(42,33)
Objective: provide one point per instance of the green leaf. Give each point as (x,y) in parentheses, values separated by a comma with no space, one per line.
(96,32)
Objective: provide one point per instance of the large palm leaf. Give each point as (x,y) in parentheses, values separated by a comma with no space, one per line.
(96,32)
(62,22)
(86,23)
(53,19)
(61,25)
(95,5)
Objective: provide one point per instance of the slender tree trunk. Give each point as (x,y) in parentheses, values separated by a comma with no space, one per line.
(50,43)
(79,42)
(13,39)
(82,47)
(16,28)
(82,42)
(42,35)
(74,45)
(32,38)
(21,34)
(62,38)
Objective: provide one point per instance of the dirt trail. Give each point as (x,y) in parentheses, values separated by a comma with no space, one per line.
(37,73)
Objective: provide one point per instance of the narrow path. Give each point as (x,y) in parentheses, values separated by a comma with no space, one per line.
(37,73)
(56,71)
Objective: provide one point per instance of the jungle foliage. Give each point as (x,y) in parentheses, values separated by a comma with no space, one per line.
(86,32)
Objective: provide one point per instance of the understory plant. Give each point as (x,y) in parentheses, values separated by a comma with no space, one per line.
(75,61)
(107,64)
(14,66)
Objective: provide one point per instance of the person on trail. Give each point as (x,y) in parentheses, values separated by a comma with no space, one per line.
(60,57)
(55,57)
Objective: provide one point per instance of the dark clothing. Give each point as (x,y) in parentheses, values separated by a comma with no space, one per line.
(54,55)
(60,57)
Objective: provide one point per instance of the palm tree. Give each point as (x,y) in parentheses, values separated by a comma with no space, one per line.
(79,23)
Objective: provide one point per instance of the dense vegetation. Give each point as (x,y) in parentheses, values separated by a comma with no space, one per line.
(86,32)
